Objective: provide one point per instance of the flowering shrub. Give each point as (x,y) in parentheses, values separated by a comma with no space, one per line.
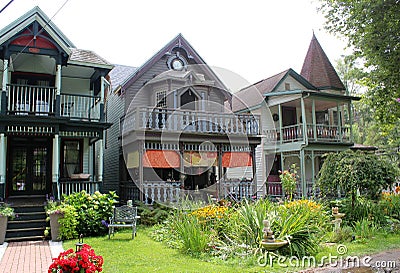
(305,203)
(210,212)
(289,179)
(84,260)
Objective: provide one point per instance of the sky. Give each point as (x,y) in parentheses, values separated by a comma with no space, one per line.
(254,39)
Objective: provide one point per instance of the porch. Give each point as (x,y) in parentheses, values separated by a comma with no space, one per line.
(173,192)
(26,100)
(179,120)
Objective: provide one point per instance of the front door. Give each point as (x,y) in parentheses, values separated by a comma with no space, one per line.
(29,168)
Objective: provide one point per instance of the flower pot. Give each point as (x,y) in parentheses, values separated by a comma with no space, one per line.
(55,226)
(3,228)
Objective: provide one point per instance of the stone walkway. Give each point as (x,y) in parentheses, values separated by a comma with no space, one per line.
(31,256)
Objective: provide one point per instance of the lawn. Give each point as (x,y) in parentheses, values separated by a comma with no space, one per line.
(143,254)
(123,255)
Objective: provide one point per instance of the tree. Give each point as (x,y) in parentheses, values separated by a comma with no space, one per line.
(373,32)
(350,172)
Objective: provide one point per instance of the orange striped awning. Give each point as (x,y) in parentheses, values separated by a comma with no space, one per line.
(161,159)
(236,159)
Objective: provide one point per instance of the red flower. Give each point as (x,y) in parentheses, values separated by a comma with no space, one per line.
(70,261)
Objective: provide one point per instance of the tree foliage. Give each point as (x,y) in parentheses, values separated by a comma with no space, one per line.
(373,32)
(351,171)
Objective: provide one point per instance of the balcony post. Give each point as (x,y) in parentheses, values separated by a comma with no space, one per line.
(339,122)
(280,123)
(3,159)
(351,121)
(304,120)
(55,166)
(102,90)
(58,91)
(303,173)
(314,120)
(4,87)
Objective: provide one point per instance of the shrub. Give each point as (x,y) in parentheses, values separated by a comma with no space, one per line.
(68,223)
(303,222)
(246,223)
(193,235)
(289,180)
(6,210)
(91,210)
(365,229)
(362,208)
(152,215)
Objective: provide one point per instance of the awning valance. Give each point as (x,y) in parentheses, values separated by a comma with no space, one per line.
(236,159)
(161,159)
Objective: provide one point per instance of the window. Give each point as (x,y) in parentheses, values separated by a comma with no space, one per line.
(161,99)
(287,86)
(71,157)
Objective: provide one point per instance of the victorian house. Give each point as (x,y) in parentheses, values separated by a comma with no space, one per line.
(303,117)
(52,112)
(174,133)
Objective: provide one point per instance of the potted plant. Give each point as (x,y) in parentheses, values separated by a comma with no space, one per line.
(55,213)
(5,212)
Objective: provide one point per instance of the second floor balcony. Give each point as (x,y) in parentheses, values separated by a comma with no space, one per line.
(28,100)
(313,133)
(179,120)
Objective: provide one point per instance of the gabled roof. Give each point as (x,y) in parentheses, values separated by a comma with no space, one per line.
(254,94)
(75,56)
(84,57)
(178,41)
(36,14)
(119,74)
(318,70)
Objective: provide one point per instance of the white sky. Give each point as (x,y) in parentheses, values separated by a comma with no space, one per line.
(255,38)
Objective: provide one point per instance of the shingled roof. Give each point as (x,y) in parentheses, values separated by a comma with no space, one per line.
(318,70)
(80,56)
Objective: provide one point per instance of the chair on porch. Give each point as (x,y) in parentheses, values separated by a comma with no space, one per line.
(123,217)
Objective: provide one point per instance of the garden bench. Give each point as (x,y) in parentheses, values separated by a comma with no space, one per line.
(123,217)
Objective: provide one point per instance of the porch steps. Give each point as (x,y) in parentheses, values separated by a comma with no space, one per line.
(29,222)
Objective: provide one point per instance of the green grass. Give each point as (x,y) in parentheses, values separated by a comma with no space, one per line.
(123,255)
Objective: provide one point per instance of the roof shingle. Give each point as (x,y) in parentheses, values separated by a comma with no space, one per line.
(318,70)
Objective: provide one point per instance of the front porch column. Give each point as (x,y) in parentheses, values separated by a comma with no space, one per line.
(313,171)
(254,166)
(55,166)
(303,173)
(58,90)
(141,149)
(3,160)
(220,173)
(3,104)
(101,161)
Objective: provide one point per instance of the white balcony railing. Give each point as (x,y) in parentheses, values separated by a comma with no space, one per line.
(315,133)
(80,107)
(189,121)
(26,99)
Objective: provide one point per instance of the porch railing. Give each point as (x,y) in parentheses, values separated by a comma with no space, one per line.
(41,101)
(317,132)
(26,99)
(80,107)
(159,191)
(237,190)
(331,133)
(71,186)
(189,121)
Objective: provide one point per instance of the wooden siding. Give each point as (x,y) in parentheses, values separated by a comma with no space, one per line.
(115,111)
